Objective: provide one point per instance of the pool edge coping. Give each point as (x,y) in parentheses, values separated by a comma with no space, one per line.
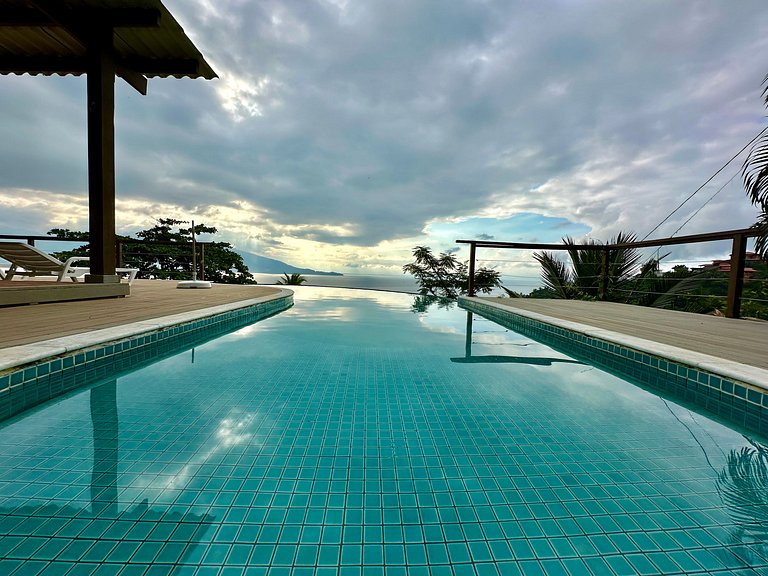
(751,375)
(15,357)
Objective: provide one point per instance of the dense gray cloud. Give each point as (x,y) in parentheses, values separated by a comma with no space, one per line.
(359,122)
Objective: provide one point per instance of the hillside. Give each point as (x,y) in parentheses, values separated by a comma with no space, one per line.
(261,264)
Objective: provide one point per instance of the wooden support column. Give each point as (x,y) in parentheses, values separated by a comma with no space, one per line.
(471,279)
(736,279)
(101,157)
(202,261)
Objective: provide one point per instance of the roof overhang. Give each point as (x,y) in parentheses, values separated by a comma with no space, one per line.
(54,36)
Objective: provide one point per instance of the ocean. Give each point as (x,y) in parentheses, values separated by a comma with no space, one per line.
(388,282)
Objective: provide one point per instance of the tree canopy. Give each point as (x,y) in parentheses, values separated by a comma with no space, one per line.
(164,252)
(445,276)
(583,278)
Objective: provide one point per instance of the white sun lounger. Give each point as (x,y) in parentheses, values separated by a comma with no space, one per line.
(27,260)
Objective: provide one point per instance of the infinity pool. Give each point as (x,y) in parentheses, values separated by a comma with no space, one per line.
(359,433)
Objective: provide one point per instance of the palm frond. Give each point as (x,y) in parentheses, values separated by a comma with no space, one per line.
(674,287)
(755,173)
(555,275)
(755,168)
(743,485)
(623,262)
(761,241)
(511,293)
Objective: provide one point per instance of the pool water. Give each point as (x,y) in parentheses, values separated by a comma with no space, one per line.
(358,433)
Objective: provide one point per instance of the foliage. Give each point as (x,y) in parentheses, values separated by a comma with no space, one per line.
(541,292)
(292,280)
(511,293)
(743,487)
(755,176)
(424,303)
(445,276)
(582,279)
(651,287)
(701,291)
(165,253)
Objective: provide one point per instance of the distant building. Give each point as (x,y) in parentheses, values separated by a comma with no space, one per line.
(725,265)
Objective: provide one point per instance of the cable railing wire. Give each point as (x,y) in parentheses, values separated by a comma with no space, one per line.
(723,167)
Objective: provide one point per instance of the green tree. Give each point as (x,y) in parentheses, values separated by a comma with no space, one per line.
(292,280)
(166,253)
(755,176)
(445,276)
(671,289)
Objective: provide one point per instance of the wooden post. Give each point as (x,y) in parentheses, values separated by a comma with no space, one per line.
(605,274)
(471,279)
(101,157)
(202,261)
(119,254)
(736,279)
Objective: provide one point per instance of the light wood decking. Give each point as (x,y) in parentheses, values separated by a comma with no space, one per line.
(148,299)
(738,340)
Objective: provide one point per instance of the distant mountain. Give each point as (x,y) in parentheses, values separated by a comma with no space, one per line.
(261,264)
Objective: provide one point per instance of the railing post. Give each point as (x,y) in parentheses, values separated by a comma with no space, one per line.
(471,279)
(736,279)
(604,274)
(31,241)
(119,253)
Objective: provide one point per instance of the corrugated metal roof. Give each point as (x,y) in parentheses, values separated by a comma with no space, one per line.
(48,37)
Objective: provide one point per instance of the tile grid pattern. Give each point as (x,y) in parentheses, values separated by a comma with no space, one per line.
(359,464)
(734,401)
(29,386)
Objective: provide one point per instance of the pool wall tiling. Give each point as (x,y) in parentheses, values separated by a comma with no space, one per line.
(35,373)
(734,392)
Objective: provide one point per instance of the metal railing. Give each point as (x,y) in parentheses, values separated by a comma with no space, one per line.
(735,278)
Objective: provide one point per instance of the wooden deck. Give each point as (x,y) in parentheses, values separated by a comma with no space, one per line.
(743,341)
(148,299)
(738,340)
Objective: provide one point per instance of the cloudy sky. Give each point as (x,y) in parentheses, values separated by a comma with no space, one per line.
(341,133)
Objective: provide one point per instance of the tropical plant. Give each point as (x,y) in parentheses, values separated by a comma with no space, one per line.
(671,290)
(583,278)
(292,280)
(423,303)
(165,253)
(445,276)
(743,486)
(755,176)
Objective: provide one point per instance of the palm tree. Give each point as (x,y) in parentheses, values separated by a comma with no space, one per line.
(292,280)
(583,278)
(743,486)
(755,175)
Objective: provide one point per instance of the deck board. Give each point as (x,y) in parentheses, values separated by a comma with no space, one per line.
(740,340)
(148,299)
